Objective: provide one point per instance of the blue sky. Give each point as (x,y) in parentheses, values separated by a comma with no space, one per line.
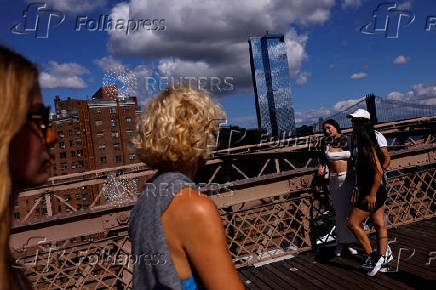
(332,64)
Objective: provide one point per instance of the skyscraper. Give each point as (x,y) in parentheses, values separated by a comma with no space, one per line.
(272,86)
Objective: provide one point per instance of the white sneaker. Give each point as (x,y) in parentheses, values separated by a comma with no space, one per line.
(388,257)
(338,249)
(376,264)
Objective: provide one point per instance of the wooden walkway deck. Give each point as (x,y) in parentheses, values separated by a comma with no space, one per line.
(414,246)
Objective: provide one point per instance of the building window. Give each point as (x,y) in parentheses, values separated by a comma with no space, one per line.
(73,165)
(58,124)
(75,120)
(17,215)
(98,123)
(62,145)
(113,110)
(59,208)
(79,206)
(136,180)
(130,132)
(77,196)
(77,131)
(17,205)
(80,164)
(85,196)
(128,120)
(117,146)
(70,133)
(115,134)
(118,158)
(44,210)
(86,206)
(126,108)
(103,159)
(132,156)
(114,122)
(73,153)
(64,165)
(102,147)
(79,153)
(37,211)
(71,143)
(67,197)
(100,135)
(61,134)
(79,142)
(63,155)
(97,110)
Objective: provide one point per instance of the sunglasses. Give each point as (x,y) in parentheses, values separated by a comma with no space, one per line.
(41,119)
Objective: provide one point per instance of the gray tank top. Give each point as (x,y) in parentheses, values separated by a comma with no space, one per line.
(153,267)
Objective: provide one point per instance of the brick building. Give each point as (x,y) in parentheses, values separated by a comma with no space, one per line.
(92,134)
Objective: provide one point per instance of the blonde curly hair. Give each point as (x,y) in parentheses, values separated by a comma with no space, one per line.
(178,128)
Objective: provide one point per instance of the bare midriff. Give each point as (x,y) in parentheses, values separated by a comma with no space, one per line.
(337,166)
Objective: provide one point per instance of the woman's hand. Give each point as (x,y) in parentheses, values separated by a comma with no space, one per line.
(371,199)
(321,170)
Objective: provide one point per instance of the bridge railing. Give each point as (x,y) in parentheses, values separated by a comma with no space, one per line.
(279,212)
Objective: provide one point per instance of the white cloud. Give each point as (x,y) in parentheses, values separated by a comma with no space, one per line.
(342,105)
(303,78)
(351,3)
(360,75)
(421,94)
(212,35)
(401,60)
(66,75)
(108,63)
(178,67)
(73,7)
(295,50)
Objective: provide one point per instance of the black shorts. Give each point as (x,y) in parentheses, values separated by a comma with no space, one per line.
(380,199)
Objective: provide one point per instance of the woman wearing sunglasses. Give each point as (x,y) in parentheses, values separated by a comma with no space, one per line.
(24,155)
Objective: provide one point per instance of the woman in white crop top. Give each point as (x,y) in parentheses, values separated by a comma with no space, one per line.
(341,182)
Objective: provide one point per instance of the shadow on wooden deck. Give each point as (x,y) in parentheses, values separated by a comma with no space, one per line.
(413,247)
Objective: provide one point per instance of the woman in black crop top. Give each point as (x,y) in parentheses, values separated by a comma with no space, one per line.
(372,195)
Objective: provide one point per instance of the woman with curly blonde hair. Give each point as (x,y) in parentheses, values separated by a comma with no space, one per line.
(178,240)
(24,141)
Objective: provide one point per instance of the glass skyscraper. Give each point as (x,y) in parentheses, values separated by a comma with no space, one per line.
(272,85)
